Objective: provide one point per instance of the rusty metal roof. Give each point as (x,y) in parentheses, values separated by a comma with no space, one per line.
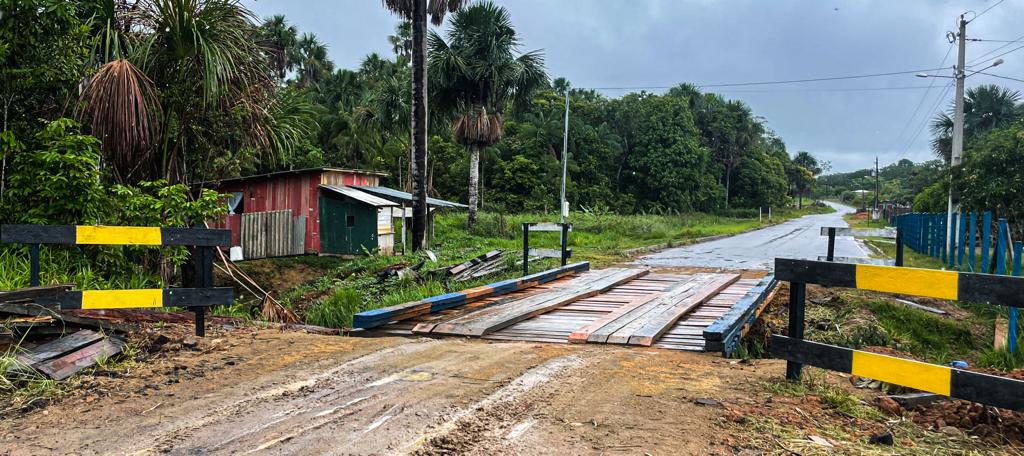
(363,197)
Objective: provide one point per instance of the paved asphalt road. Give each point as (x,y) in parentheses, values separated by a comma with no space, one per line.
(797,238)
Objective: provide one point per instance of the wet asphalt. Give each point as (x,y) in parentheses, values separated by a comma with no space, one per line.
(797,238)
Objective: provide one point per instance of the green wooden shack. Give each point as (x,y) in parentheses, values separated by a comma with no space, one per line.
(353,222)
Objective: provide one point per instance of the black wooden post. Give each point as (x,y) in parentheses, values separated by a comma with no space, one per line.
(565,243)
(899,246)
(201,265)
(797,295)
(526,249)
(33,255)
(831,244)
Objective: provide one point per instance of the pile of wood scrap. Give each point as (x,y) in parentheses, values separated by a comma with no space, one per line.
(480,266)
(61,358)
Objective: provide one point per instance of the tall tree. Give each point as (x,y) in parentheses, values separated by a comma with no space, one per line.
(986,107)
(803,179)
(401,41)
(476,75)
(279,38)
(416,11)
(313,63)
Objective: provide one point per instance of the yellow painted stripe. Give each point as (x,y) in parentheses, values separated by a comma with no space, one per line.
(117,235)
(913,374)
(911,281)
(122,299)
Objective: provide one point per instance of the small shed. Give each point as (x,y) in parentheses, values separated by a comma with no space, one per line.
(353,222)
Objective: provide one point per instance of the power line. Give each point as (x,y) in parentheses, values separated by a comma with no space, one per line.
(923,97)
(1007,52)
(1001,77)
(790,81)
(986,10)
(994,41)
(982,56)
(849,89)
(924,124)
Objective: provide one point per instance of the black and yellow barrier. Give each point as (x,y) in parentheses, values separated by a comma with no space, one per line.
(199,294)
(957,383)
(958,286)
(961,286)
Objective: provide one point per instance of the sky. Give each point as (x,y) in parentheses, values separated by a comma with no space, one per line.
(619,45)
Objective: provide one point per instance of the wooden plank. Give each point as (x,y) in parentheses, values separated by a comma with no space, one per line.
(622,335)
(45,291)
(658,324)
(547,227)
(380,317)
(889,233)
(581,335)
(602,334)
(520,310)
(67,365)
(860,260)
(577,283)
(59,347)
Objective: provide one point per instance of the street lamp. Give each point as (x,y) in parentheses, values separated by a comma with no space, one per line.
(926,75)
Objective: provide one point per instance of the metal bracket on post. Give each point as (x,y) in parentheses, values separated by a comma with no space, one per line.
(797,298)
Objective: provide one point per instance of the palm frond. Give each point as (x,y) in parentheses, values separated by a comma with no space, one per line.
(121,104)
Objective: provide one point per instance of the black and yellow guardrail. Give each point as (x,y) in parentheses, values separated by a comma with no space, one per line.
(981,288)
(199,294)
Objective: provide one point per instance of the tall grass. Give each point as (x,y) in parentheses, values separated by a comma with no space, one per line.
(59,265)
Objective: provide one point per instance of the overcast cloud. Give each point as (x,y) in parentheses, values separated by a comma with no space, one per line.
(620,43)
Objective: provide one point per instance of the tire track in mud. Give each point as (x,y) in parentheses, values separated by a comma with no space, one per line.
(167,440)
(494,423)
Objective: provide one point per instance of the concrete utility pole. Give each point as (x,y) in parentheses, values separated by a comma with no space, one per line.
(958,121)
(563,206)
(876,183)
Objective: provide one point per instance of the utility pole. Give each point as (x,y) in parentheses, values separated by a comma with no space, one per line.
(958,121)
(563,206)
(876,182)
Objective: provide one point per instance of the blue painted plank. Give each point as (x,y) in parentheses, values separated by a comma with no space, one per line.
(972,242)
(986,241)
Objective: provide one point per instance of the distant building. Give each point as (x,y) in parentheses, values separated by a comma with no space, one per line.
(313,211)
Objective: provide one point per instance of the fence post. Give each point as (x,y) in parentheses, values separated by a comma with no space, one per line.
(33,259)
(526,249)
(962,234)
(797,295)
(952,241)
(1018,249)
(941,237)
(973,240)
(986,242)
(831,244)
(899,246)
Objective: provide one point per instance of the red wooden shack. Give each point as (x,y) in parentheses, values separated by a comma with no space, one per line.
(300,192)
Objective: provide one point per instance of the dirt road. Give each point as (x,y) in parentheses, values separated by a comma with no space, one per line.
(287,393)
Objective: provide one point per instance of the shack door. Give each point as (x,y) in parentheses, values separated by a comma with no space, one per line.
(346,227)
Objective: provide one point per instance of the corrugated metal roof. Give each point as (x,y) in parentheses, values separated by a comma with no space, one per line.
(406,197)
(296,171)
(357,195)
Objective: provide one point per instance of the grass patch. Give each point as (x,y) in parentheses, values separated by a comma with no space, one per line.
(21,387)
(337,310)
(832,396)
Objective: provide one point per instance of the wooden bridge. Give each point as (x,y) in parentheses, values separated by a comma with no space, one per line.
(691,311)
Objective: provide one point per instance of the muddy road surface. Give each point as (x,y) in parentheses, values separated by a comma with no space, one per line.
(287,393)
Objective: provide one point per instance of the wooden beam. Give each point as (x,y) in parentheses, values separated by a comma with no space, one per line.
(58,347)
(889,233)
(678,291)
(484,322)
(660,322)
(45,291)
(580,336)
(67,365)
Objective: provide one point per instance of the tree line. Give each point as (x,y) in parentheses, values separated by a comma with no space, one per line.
(186,92)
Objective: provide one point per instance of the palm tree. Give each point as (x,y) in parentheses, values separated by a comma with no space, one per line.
(986,107)
(189,58)
(416,11)
(279,38)
(401,41)
(313,63)
(476,75)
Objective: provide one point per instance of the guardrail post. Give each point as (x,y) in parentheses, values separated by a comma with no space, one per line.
(526,249)
(831,244)
(565,242)
(797,302)
(33,256)
(899,246)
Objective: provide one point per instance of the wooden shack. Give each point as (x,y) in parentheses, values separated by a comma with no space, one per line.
(279,214)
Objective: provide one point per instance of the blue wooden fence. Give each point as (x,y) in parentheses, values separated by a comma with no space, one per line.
(925,233)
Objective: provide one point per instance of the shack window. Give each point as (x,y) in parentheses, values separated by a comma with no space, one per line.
(236,203)
(350,221)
